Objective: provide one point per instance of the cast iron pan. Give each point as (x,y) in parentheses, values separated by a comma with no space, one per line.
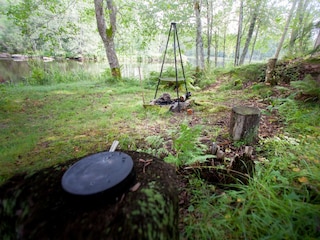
(110,173)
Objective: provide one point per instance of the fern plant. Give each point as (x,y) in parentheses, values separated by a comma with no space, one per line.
(308,87)
(187,147)
(156,146)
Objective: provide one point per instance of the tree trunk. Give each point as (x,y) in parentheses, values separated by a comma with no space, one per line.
(285,29)
(254,43)
(270,72)
(239,35)
(317,42)
(209,29)
(250,32)
(107,34)
(199,41)
(216,45)
(298,27)
(272,62)
(244,124)
(224,45)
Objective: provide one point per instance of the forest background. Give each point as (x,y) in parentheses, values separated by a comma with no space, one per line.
(218,32)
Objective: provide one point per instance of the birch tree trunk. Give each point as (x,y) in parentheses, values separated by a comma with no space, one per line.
(239,35)
(285,29)
(107,34)
(272,62)
(254,43)
(299,26)
(209,29)
(199,41)
(250,32)
(224,45)
(317,42)
(216,46)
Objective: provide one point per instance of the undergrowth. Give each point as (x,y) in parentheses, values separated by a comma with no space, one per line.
(187,147)
(45,123)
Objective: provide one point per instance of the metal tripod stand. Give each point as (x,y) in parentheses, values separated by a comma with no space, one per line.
(173,28)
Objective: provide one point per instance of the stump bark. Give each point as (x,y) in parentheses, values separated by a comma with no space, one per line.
(270,72)
(244,124)
(36,207)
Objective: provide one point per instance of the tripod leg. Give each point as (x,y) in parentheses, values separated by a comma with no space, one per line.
(175,65)
(164,57)
(184,77)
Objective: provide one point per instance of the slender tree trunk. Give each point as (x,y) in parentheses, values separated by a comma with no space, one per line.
(216,45)
(250,32)
(272,62)
(299,27)
(254,43)
(209,29)
(317,42)
(107,34)
(237,53)
(199,41)
(285,29)
(224,46)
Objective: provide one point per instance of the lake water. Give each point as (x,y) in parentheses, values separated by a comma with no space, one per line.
(16,71)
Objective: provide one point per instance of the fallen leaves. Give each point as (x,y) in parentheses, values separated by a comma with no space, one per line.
(303,180)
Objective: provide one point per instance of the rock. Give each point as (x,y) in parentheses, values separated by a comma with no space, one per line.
(5,55)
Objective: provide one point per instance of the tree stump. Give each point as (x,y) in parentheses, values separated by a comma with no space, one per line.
(244,124)
(270,72)
(36,207)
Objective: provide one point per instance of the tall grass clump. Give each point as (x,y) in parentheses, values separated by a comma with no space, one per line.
(42,73)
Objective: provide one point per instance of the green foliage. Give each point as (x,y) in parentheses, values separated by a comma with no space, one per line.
(48,74)
(281,201)
(188,149)
(38,76)
(155,145)
(309,88)
(287,73)
(301,118)
(249,73)
(169,72)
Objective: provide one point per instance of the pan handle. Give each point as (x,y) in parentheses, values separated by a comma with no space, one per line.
(114,146)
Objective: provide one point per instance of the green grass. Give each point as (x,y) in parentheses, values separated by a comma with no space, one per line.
(44,124)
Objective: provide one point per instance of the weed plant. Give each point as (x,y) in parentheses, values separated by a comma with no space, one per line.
(187,147)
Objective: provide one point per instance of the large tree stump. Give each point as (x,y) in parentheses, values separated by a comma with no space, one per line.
(36,207)
(244,124)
